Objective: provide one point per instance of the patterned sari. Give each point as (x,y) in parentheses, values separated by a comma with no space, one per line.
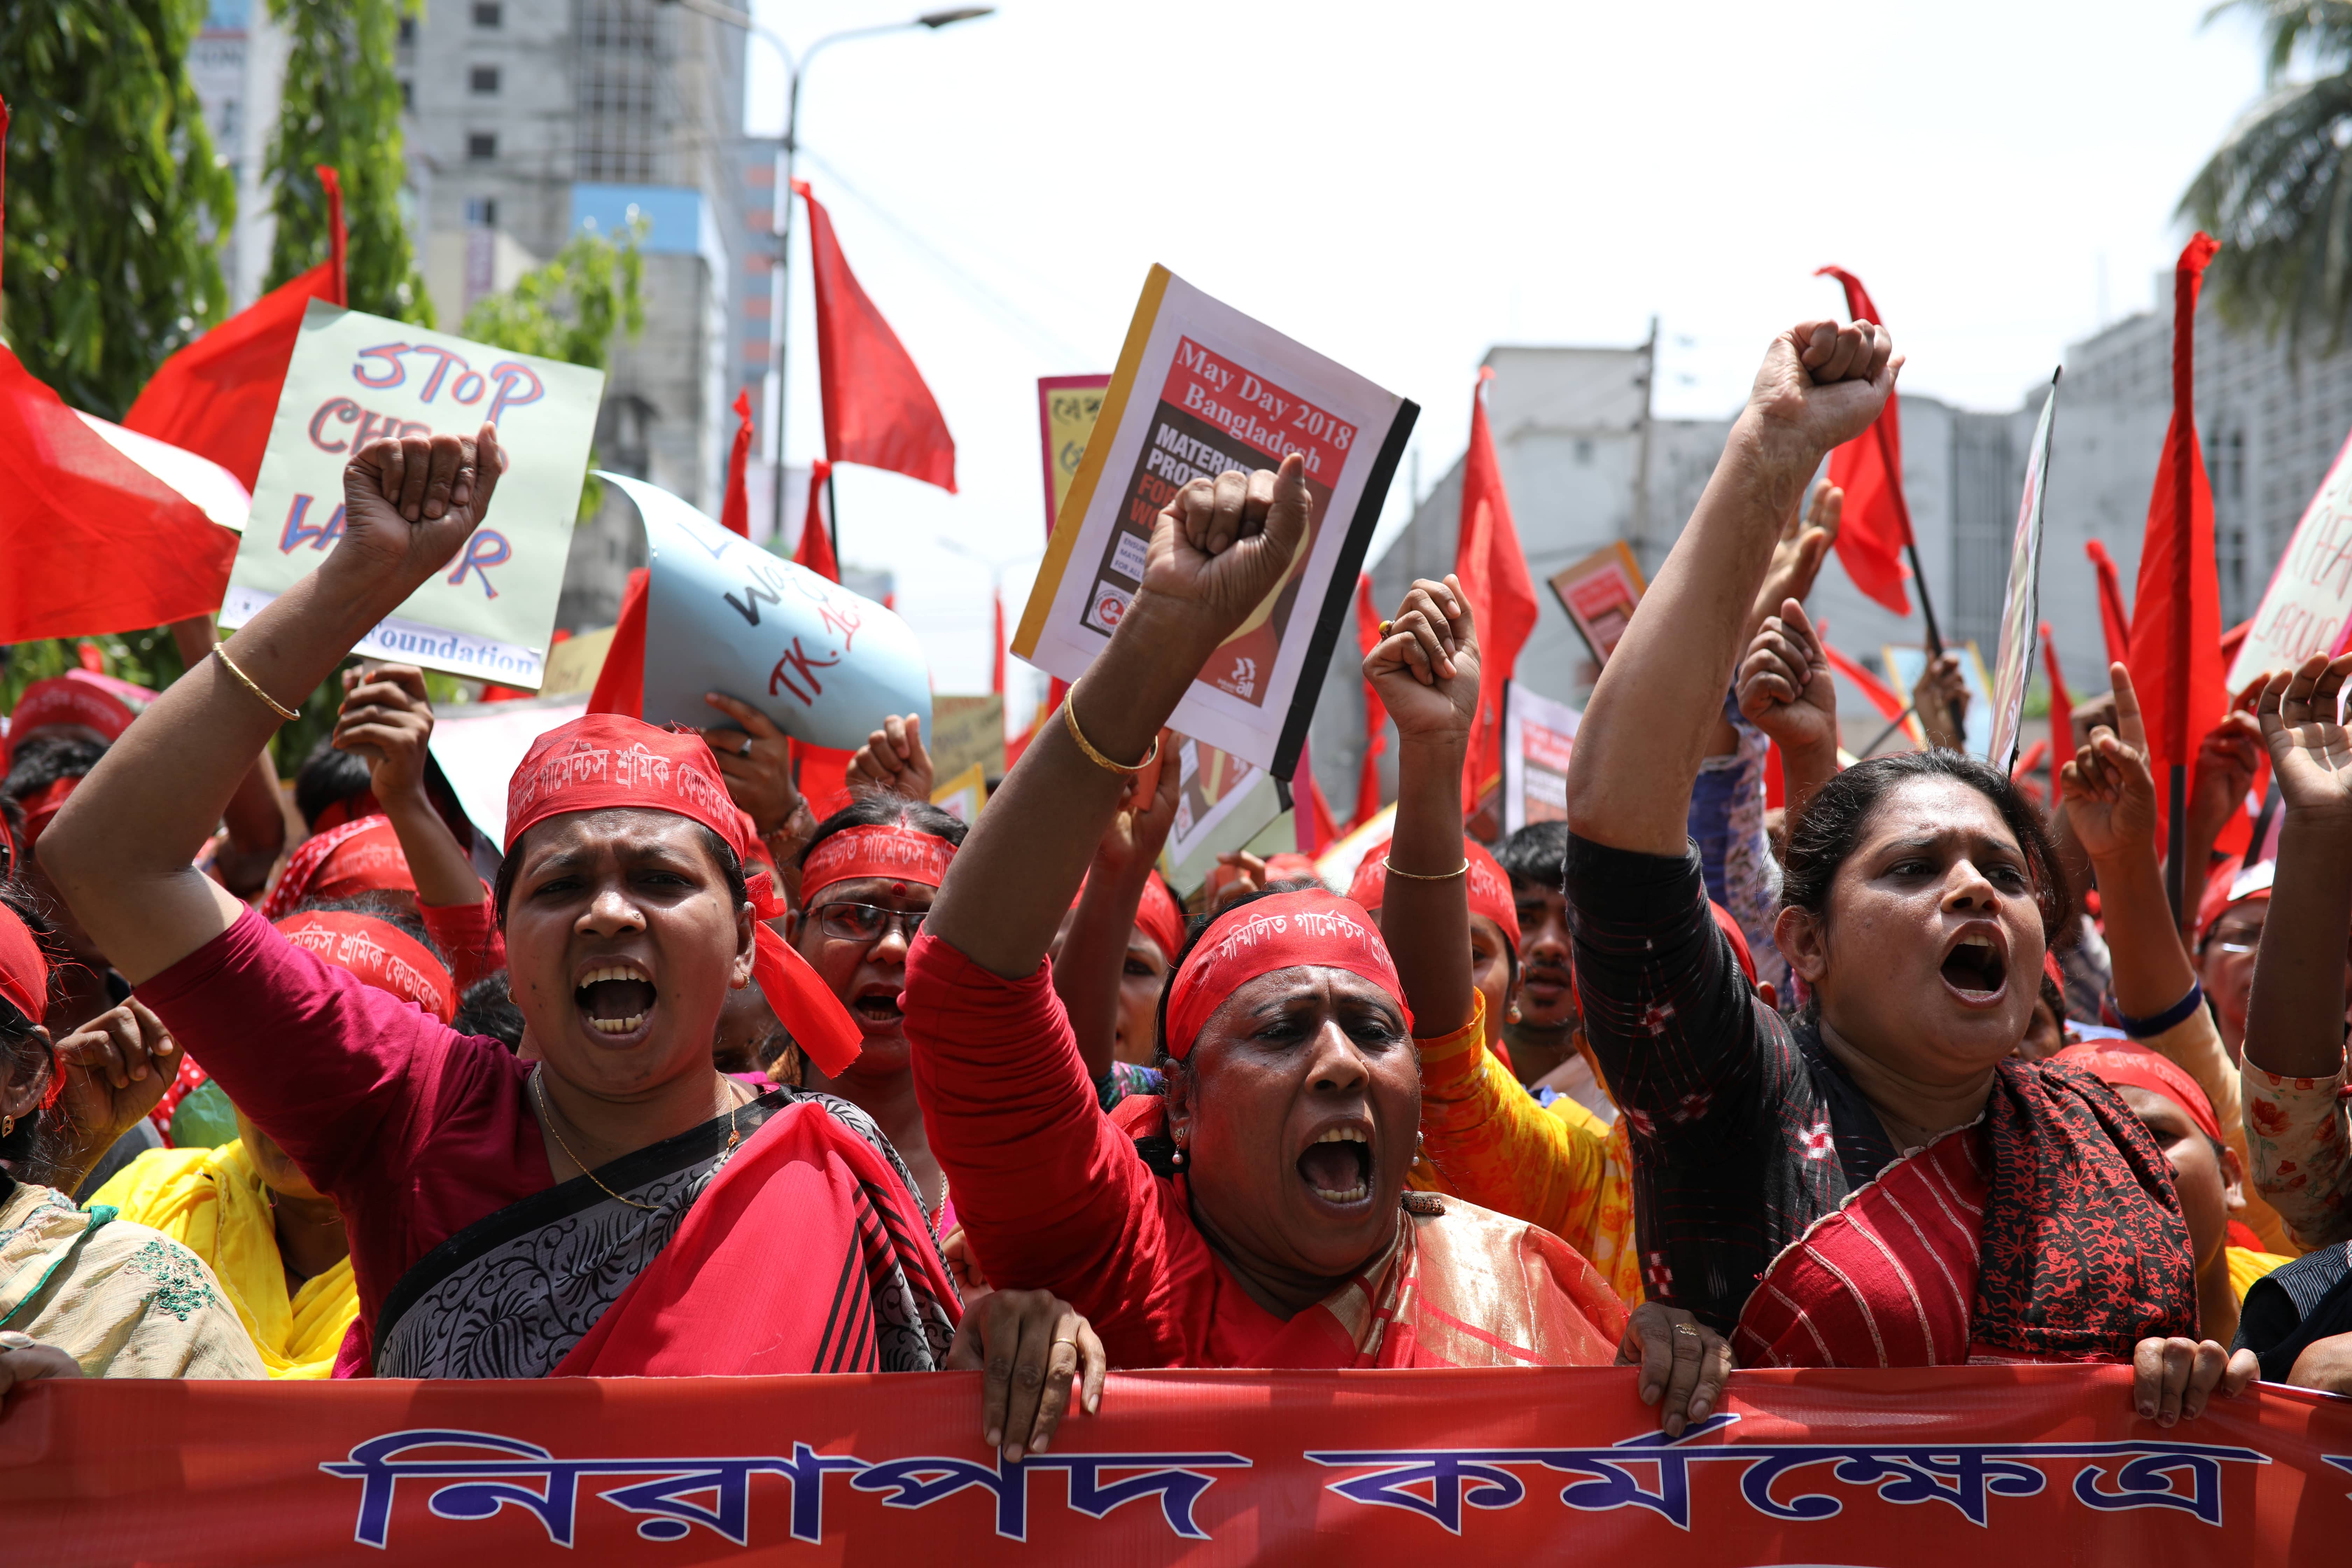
(760,1242)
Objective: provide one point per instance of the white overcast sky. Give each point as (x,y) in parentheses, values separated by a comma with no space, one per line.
(1402,186)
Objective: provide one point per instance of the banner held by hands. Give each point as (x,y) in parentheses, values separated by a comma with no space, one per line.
(2020,608)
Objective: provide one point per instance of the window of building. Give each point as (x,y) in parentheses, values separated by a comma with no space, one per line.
(407,94)
(408,29)
(489,13)
(483,78)
(481,212)
(481,146)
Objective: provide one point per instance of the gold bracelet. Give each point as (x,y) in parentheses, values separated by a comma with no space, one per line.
(220,651)
(1392,869)
(1070,722)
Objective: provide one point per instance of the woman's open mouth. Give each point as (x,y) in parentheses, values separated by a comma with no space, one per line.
(878,1005)
(1337,1166)
(1976,969)
(615,998)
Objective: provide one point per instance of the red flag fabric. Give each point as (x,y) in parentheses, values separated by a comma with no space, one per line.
(822,774)
(1881,695)
(2176,633)
(735,511)
(1502,597)
(815,549)
(621,683)
(2114,619)
(217,396)
(876,409)
(2062,715)
(1311,813)
(1869,469)
(1376,716)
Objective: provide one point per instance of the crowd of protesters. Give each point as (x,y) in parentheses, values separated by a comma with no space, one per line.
(1919,1073)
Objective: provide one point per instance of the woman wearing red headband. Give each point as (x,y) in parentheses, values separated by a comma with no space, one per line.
(1275,1237)
(616,1205)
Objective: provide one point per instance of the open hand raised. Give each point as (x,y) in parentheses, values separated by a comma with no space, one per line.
(2301,716)
(1426,668)
(1222,545)
(409,504)
(2108,792)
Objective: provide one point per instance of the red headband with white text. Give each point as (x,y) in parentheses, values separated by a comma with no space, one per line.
(1286,930)
(887,850)
(378,952)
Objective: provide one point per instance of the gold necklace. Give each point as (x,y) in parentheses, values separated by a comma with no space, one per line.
(547,1112)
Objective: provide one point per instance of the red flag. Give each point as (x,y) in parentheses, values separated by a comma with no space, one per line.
(735,511)
(1310,813)
(1881,696)
(1869,469)
(1376,716)
(1502,596)
(822,775)
(815,549)
(2175,635)
(2114,619)
(621,683)
(876,409)
(2062,715)
(217,396)
(94,542)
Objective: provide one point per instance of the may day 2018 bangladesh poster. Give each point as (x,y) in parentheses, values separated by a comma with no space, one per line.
(355,378)
(1201,389)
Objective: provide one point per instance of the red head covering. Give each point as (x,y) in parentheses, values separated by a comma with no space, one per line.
(608,760)
(1490,890)
(378,952)
(1159,917)
(350,808)
(2222,884)
(43,805)
(83,698)
(1289,867)
(2128,1062)
(1282,930)
(360,857)
(1730,927)
(890,850)
(24,969)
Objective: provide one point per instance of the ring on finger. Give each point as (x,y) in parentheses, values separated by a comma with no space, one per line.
(1685,1329)
(13,1340)
(745,749)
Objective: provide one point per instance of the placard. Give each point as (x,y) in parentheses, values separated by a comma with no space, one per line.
(722,615)
(356,377)
(1598,592)
(2013,666)
(574,664)
(965,732)
(1222,802)
(480,744)
(1068,407)
(963,796)
(1903,666)
(1537,736)
(2307,608)
(1201,389)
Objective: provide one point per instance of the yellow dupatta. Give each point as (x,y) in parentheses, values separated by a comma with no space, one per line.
(210,1201)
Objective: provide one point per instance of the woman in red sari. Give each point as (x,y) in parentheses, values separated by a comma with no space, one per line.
(1269,1229)
(614,1206)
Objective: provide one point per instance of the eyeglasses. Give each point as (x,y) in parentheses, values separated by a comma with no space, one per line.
(865,922)
(2247,946)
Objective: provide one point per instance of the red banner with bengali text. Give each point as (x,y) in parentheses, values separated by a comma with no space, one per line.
(2015,1467)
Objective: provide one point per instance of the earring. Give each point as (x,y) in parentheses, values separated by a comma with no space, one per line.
(1178,1160)
(1418,1140)
(7,1126)
(1513,1015)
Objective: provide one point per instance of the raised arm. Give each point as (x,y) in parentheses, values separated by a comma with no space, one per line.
(120,849)
(1217,549)
(387,719)
(256,814)
(2110,801)
(1093,960)
(1650,717)
(2295,1020)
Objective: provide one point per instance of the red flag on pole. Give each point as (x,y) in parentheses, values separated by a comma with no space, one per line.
(2176,631)
(1877,520)
(1880,695)
(2062,715)
(1502,596)
(1310,813)
(217,396)
(815,550)
(1376,716)
(735,511)
(2114,619)
(876,409)
(621,682)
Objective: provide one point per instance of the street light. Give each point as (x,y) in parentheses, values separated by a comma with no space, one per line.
(779,297)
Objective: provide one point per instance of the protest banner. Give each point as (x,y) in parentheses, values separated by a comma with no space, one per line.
(1903,667)
(963,796)
(722,615)
(1598,592)
(1537,736)
(480,744)
(356,377)
(2021,606)
(574,664)
(1068,407)
(1201,389)
(2033,1466)
(966,733)
(1223,801)
(2307,608)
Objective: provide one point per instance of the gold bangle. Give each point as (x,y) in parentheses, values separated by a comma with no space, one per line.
(1070,722)
(220,652)
(1392,869)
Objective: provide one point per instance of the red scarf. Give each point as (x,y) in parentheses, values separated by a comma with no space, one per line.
(359,856)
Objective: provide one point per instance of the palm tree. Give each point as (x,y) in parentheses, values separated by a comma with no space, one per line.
(2277,193)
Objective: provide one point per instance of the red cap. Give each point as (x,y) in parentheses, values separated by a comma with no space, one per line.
(81,697)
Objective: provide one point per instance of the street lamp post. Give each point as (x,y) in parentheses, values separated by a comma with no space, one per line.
(779,297)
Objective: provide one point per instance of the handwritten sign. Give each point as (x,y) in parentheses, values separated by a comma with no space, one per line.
(1598,592)
(1222,802)
(2013,660)
(1539,736)
(966,733)
(1068,407)
(2307,608)
(722,615)
(356,377)
(1202,390)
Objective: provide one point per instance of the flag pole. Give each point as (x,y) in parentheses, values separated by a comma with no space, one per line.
(1882,735)
(832,520)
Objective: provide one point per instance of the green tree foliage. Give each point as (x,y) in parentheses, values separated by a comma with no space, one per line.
(570,309)
(342,107)
(114,194)
(2277,193)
